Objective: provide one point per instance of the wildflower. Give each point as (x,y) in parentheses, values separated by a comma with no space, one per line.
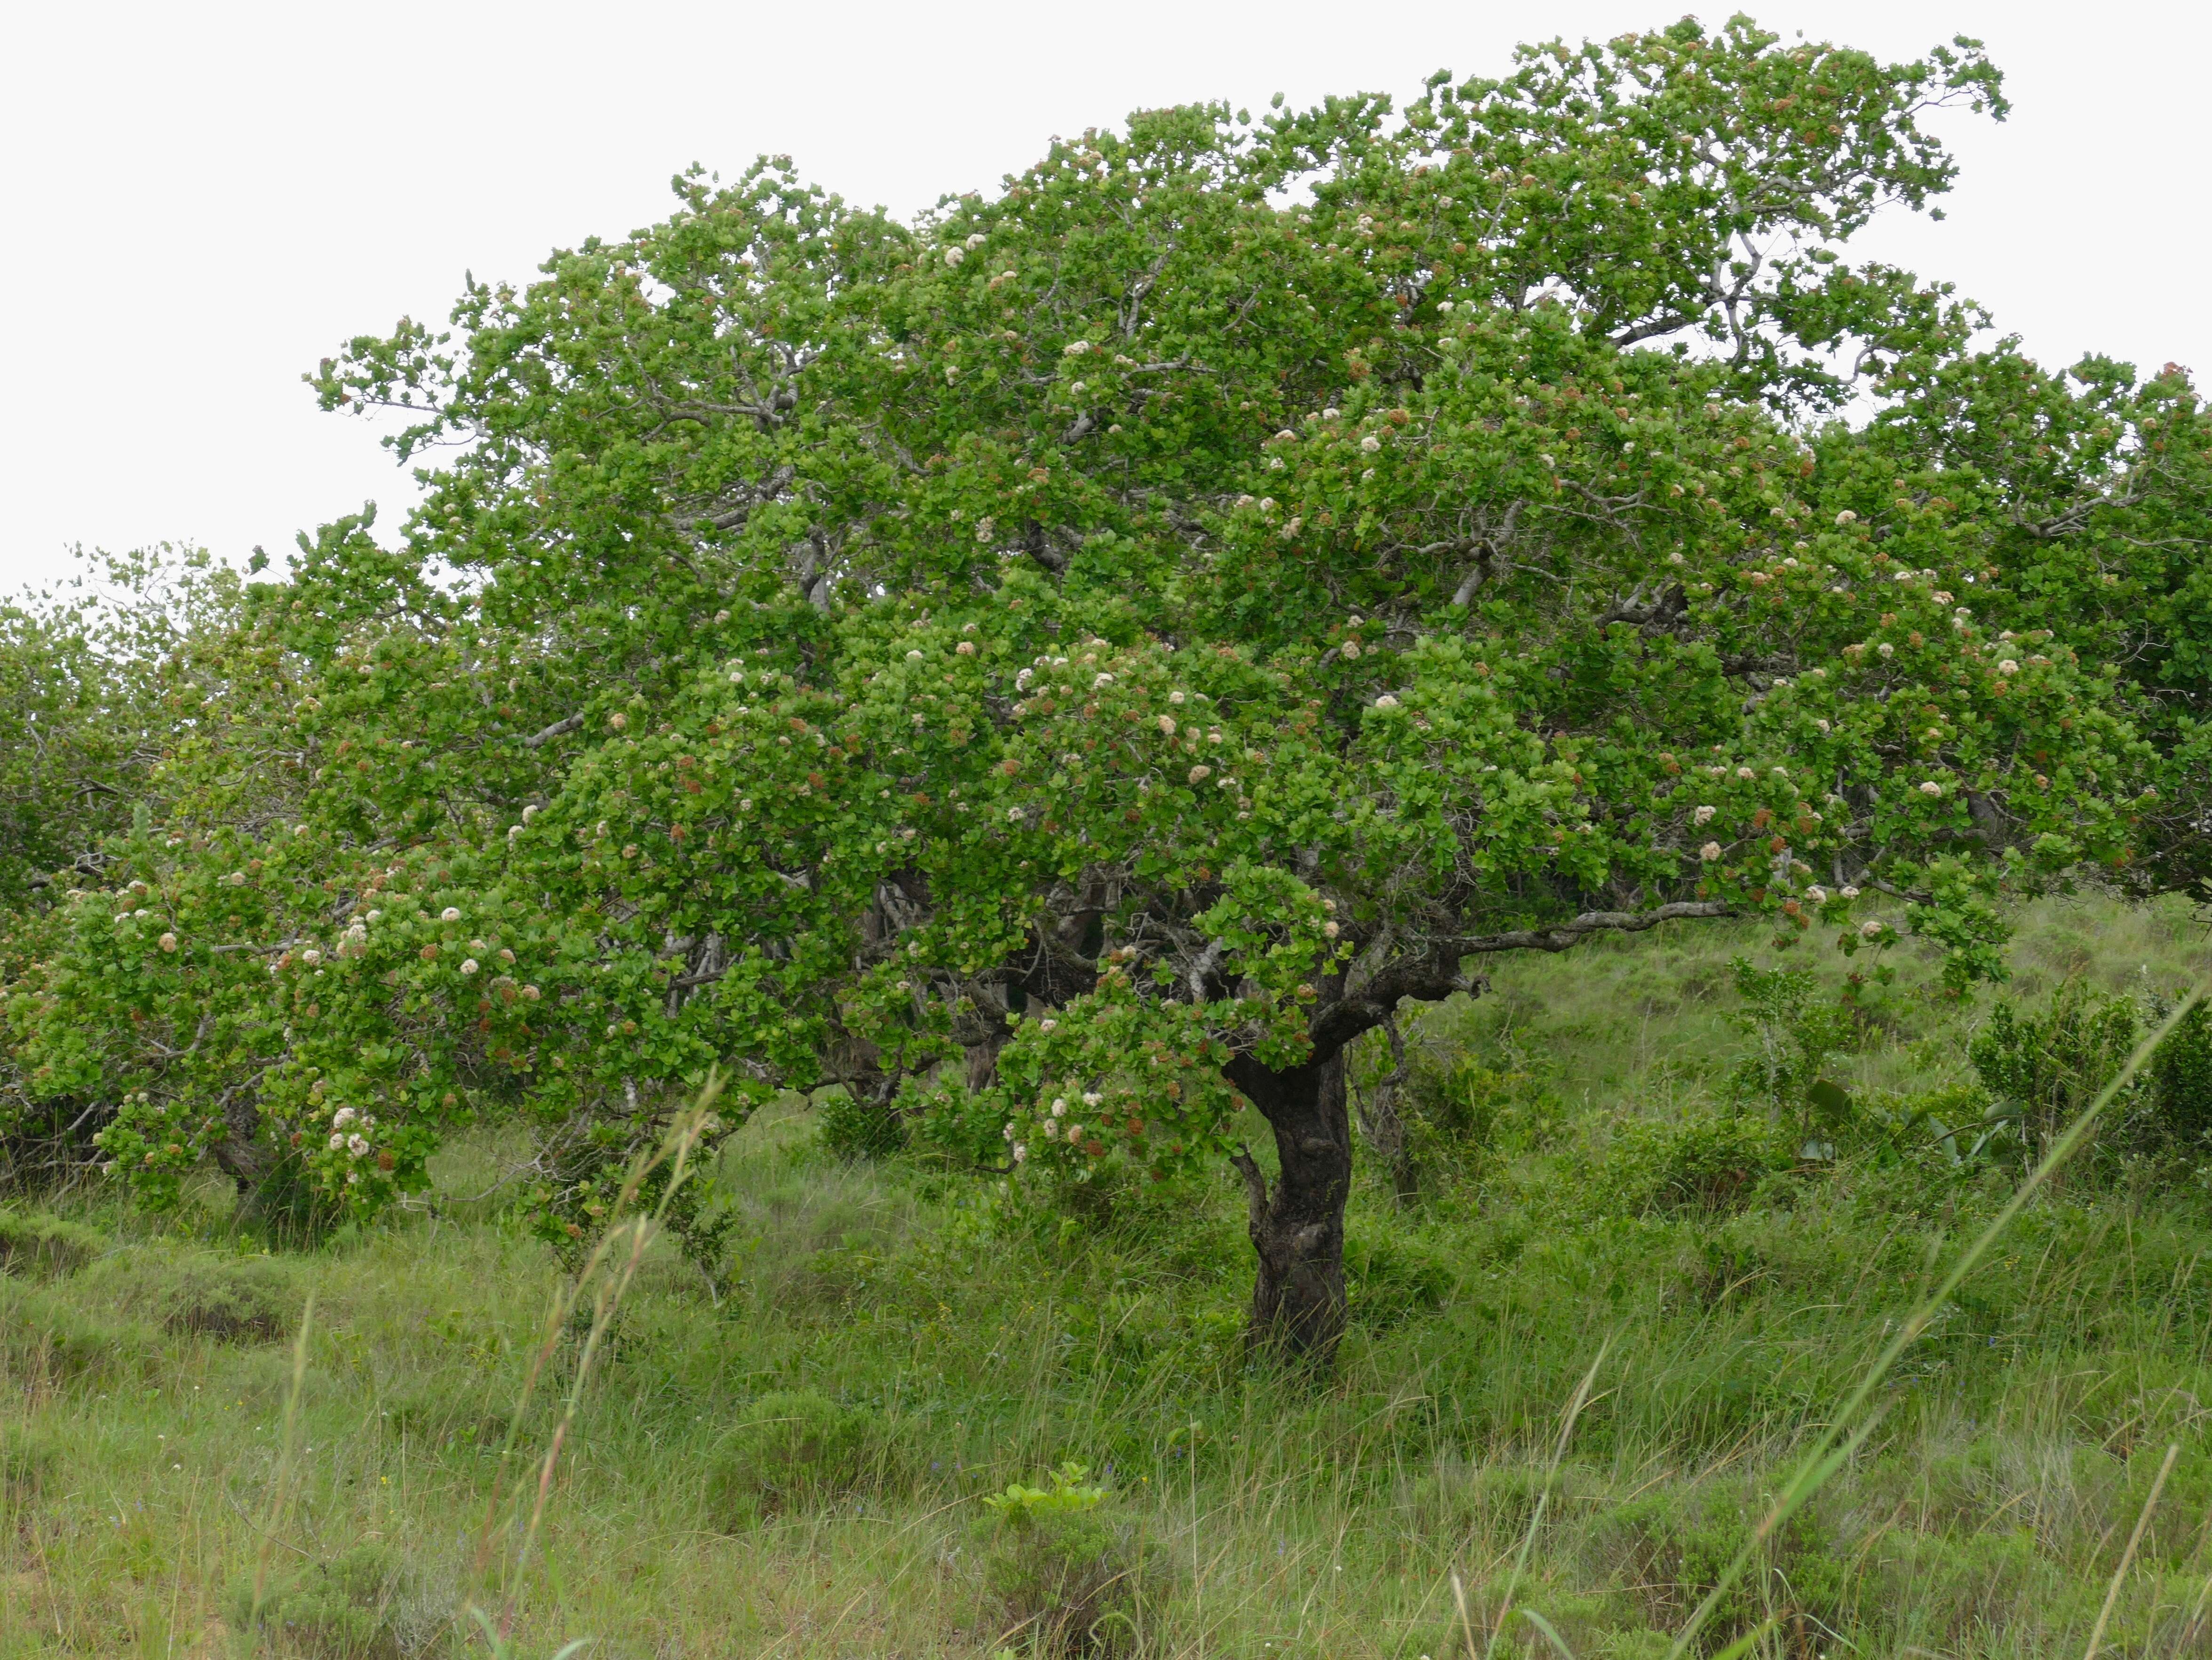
(167,942)
(1020,1152)
(1013,815)
(1174,697)
(343,1116)
(1047,1024)
(1817,894)
(1870,930)
(1075,348)
(1330,930)
(469,965)
(1823,726)
(965,649)
(236,879)
(1167,725)
(1386,702)
(1885,649)
(1060,1106)
(1009,1131)
(954,256)
(1370,443)
(618,721)
(1847,517)
(451,914)
(1102,680)
(1931,788)
(299,830)
(531,993)
(914,656)
(1200,773)
(1710,851)
(375,916)
(1705,815)
(310,956)
(1091,1097)
(2009,666)
(337,1141)
(1745,773)
(1074,1133)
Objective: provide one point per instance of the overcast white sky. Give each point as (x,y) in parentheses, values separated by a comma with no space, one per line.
(199,201)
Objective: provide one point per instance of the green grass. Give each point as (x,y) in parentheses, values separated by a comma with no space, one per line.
(789,1459)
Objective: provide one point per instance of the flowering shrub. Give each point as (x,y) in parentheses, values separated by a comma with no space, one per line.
(1069,666)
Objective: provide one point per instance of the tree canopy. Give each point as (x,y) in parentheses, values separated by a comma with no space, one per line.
(1065,668)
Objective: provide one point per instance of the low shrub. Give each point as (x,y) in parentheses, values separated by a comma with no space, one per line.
(26,1466)
(252,1300)
(46,1342)
(44,1247)
(365,1604)
(1390,1276)
(1068,1573)
(2046,1068)
(851,1128)
(439,1417)
(796,1447)
(2179,1114)
(1671,1551)
(1711,1163)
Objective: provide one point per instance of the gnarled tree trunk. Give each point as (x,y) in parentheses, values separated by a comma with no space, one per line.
(1297,1225)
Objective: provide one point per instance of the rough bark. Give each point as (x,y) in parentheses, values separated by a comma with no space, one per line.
(239,1154)
(1298,1224)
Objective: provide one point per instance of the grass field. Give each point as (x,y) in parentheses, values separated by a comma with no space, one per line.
(786,1457)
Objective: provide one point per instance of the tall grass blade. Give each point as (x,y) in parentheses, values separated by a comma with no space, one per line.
(281,1493)
(1574,1405)
(1849,1426)
(2128,1556)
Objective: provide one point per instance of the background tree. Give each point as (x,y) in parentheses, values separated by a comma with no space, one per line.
(1073,665)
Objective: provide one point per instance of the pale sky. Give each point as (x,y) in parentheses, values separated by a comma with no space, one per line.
(200,200)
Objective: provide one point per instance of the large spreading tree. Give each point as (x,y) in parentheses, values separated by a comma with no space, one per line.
(1072,665)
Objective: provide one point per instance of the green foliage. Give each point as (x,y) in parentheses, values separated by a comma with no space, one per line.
(2044,1070)
(1674,1550)
(1390,1278)
(798,1447)
(853,1127)
(986,1339)
(359,1605)
(42,1247)
(2181,1079)
(1797,1034)
(28,1460)
(48,1340)
(1070,1580)
(1707,1162)
(231,1299)
(1063,669)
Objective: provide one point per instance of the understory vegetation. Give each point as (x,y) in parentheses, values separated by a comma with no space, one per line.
(904,1413)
